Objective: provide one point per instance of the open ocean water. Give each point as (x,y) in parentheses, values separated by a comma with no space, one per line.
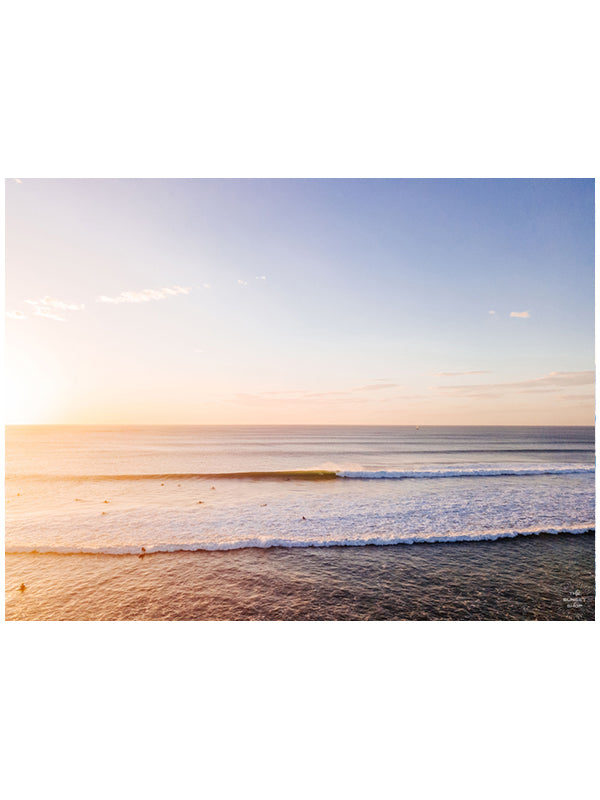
(102,492)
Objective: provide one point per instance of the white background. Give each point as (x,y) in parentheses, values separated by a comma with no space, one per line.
(289,89)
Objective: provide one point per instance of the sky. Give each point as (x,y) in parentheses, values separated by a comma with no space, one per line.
(408,302)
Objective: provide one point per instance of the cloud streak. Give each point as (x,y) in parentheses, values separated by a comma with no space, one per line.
(47,313)
(521,314)
(52,302)
(144,296)
(49,308)
(466,372)
(16,315)
(552,382)
(320,398)
(304,393)
(297,397)
(374,387)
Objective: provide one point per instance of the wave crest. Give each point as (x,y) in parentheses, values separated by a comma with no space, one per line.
(265,543)
(326,474)
(466,472)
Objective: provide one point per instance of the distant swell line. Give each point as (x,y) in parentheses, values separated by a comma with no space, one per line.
(306,475)
(325,475)
(247,544)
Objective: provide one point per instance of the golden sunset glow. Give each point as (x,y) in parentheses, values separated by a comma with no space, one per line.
(33,392)
(319,302)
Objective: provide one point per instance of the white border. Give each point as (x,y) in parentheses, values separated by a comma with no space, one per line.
(300,90)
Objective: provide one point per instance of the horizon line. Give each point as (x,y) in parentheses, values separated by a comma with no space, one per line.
(276,425)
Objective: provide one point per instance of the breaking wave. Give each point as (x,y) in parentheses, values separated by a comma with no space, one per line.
(465,472)
(268,542)
(328,474)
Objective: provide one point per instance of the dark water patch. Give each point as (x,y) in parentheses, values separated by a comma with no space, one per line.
(293,474)
(547,577)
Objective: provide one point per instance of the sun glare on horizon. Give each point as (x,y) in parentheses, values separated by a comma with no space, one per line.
(33,396)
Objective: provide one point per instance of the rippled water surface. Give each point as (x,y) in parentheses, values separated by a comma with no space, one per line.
(527,578)
(299,523)
(116,490)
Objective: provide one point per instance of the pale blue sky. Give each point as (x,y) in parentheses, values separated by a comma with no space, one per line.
(305,301)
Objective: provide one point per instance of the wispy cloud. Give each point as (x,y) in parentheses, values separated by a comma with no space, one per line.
(552,382)
(52,302)
(48,307)
(373,387)
(242,283)
(356,395)
(286,391)
(491,312)
(18,180)
(16,315)
(522,314)
(309,395)
(466,372)
(567,378)
(144,296)
(583,397)
(261,278)
(42,311)
(321,398)
(327,395)
(329,399)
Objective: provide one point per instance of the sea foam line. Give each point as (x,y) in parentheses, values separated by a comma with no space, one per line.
(478,472)
(264,543)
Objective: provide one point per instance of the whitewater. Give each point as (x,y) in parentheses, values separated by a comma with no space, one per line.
(142,489)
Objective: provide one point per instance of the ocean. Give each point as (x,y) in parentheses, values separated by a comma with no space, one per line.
(393,493)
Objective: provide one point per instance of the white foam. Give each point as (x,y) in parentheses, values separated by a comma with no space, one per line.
(487,472)
(267,542)
(123,518)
